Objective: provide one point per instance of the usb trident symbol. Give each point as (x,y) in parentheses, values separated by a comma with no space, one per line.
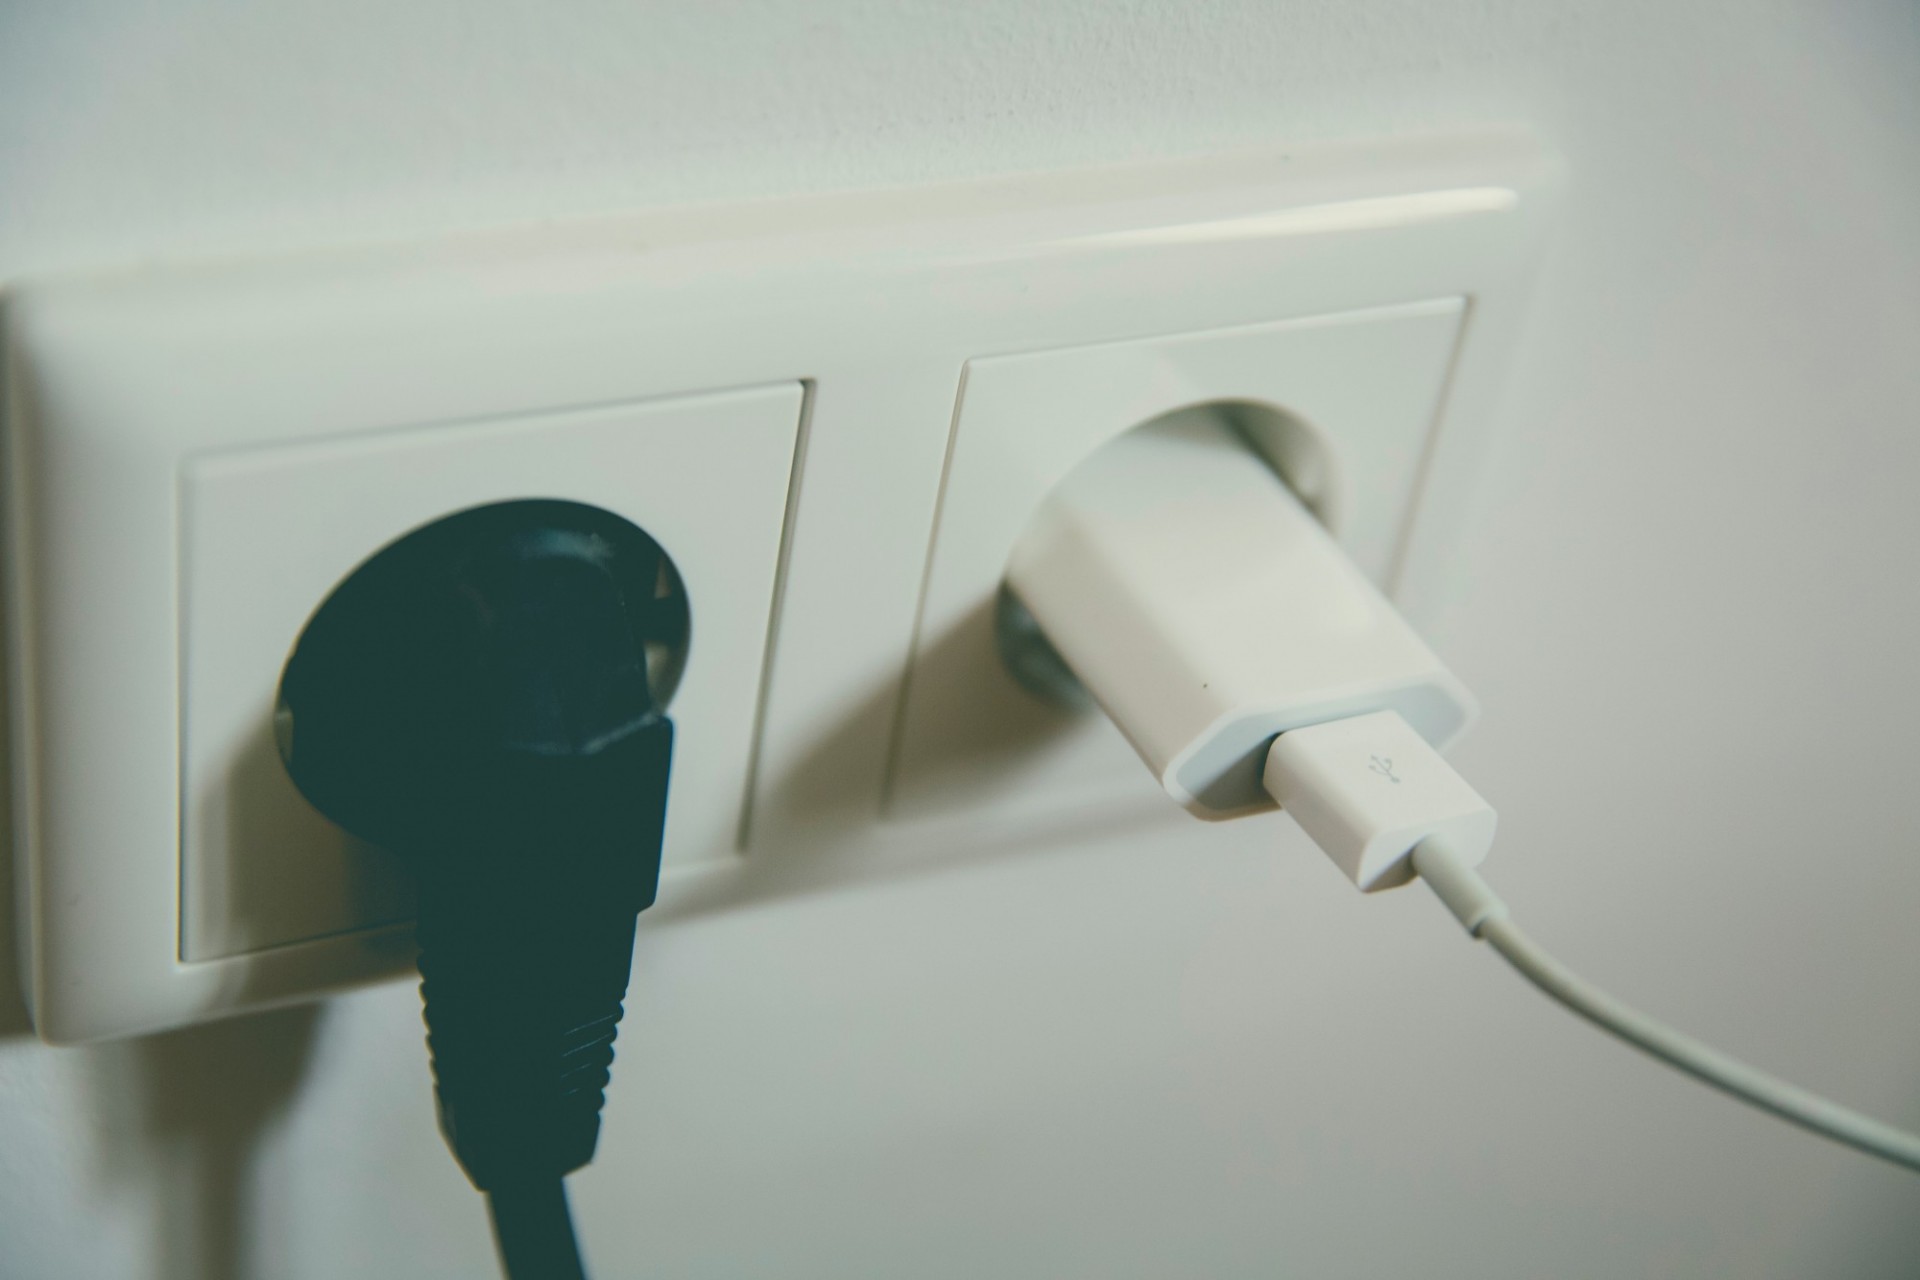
(1383,765)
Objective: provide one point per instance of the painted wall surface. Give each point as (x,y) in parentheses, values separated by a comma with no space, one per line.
(1690,606)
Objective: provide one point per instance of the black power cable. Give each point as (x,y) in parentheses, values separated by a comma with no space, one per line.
(534,1230)
(484,698)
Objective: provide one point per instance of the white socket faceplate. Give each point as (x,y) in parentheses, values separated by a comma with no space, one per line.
(302,411)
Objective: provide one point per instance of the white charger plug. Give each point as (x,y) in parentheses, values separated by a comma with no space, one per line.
(1368,789)
(1207,610)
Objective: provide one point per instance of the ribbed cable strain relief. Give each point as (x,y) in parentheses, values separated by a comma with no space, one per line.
(521,1014)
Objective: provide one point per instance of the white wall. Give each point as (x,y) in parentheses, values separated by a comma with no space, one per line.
(1689,606)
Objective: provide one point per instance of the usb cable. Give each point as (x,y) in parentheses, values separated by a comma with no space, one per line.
(1382,803)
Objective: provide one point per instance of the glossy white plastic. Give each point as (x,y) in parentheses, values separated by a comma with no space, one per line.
(1207,610)
(1368,789)
(120,383)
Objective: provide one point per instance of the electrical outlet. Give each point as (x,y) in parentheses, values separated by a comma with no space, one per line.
(267,534)
(218,557)
(834,412)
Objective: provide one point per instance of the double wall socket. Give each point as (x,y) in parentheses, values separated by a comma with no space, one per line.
(834,412)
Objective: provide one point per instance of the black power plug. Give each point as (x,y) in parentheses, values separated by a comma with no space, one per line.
(485,699)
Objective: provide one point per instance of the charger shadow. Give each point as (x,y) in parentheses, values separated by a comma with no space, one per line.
(989,724)
(815,823)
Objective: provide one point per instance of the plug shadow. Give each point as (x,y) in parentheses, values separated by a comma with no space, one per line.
(184,1119)
(14,1022)
(290,876)
(188,1116)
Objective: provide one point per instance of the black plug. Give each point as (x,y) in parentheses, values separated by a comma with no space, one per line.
(485,699)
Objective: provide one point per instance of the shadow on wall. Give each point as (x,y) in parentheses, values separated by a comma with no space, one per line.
(13,1009)
(828,812)
(182,1115)
(182,1118)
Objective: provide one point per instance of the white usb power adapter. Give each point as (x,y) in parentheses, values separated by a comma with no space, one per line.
(1207,610)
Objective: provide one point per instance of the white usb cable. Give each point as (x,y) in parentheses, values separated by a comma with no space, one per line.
(1249,662)
(1370,783)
